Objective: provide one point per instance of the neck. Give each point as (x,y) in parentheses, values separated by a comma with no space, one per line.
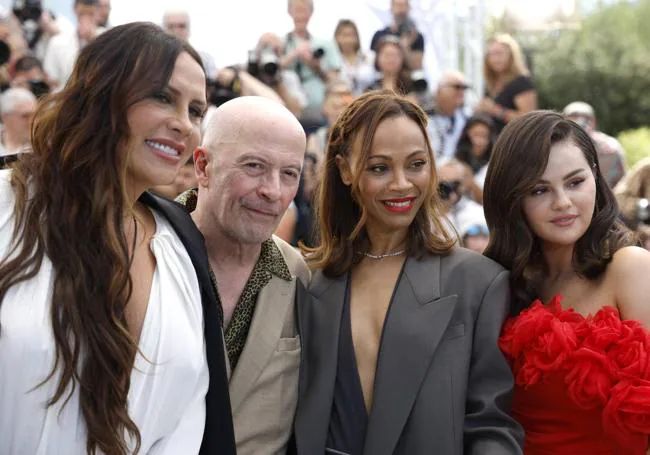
(301,33)
(559,262)
(349,54)
(11,142)
(222,249)
(385,242)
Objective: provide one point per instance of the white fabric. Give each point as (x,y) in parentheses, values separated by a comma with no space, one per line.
(167,394)
(60,57)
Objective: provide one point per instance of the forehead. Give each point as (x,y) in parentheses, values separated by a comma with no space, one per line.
(188,77)
(395,135)
(564,157)
(176,18)
(274,144)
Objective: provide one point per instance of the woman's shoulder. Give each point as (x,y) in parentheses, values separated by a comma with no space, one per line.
(628,275)
(463,259)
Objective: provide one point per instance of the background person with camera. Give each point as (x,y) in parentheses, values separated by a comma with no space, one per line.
(315,61)
(404,29)
(17,107)
(264,65)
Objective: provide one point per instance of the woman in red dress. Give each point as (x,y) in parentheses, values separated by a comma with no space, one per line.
(578,341)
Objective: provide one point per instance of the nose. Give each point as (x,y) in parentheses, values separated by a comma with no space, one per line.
(561,201)
(181,123)
(400,181)
(271,187)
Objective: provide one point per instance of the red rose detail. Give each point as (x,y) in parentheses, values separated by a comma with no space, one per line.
(590,378)
(631,355)
(627,414)
(605,329)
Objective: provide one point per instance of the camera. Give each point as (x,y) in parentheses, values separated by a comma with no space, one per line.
(643,211)
(26,10)
(219,94)
(38,87)
(5,52)
(418,81)
(446,189)
(264,64)
(407,26)
(318,53)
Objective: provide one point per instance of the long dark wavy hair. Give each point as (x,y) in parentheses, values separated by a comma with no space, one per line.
(70,207)
(340,219)
(464,149)
(519,159)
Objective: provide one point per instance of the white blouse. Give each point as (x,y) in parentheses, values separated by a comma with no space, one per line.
(168,383)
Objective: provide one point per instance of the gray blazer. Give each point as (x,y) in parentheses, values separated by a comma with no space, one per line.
(442,385)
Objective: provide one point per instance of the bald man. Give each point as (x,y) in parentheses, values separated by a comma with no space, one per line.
(248,168)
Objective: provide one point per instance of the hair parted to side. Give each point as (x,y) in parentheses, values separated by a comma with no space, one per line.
(71,205)
(517,65)
(528,139)
(348,23)
(341,220)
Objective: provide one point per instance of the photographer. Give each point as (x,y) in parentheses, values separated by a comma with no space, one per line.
(315,61)
(28,73)
(38,25)
(17,106)
(263,64)
(403,27)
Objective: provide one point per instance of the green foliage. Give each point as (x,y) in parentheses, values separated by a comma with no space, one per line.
(605,63)
(636,144)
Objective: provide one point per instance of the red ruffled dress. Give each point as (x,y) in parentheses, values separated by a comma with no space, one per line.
(582,385)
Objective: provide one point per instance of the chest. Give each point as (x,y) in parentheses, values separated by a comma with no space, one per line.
(584,296)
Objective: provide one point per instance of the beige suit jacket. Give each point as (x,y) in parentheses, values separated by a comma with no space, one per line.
(264,385)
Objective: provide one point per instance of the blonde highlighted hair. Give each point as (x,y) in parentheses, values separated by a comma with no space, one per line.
(517,64)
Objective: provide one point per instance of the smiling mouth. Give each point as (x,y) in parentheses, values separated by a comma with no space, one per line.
(564,220)
(400,205)
(163,149)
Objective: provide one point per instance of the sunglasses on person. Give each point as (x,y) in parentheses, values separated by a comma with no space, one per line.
(447,188)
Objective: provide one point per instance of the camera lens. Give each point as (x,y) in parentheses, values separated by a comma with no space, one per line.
(318,53)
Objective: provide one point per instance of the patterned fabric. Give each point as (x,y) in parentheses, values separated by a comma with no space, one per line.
(270,262)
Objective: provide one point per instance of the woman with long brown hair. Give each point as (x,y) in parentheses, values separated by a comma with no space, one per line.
(578,339)
(101,318)
(400,336)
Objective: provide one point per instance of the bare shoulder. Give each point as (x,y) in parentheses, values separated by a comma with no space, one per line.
(629,273)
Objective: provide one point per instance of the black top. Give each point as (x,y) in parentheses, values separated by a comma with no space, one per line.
(506,97)
(417,45)
(349,418)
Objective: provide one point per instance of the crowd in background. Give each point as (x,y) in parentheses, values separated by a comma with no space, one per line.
(316,77)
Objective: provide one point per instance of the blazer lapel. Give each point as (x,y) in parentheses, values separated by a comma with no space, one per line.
(413,329)
(270,314)
(320,326)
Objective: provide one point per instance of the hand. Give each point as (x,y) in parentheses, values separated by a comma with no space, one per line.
(486,105)
(303,52)
(226,76)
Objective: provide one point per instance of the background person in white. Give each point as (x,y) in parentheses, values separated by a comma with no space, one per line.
(17,106)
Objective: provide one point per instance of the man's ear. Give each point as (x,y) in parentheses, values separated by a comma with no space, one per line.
(201,166)
(344,170)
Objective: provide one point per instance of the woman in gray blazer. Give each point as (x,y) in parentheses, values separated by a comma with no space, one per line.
(400,329)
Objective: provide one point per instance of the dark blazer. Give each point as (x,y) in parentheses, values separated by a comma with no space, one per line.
(218,436)
(442,385)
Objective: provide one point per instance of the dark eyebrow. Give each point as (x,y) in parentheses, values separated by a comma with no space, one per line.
(176,92)
(566,177)
(388,158)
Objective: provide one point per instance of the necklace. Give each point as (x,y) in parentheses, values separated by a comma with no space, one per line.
(382,256)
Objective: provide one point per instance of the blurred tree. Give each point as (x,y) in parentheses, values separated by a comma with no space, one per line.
(605,63)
